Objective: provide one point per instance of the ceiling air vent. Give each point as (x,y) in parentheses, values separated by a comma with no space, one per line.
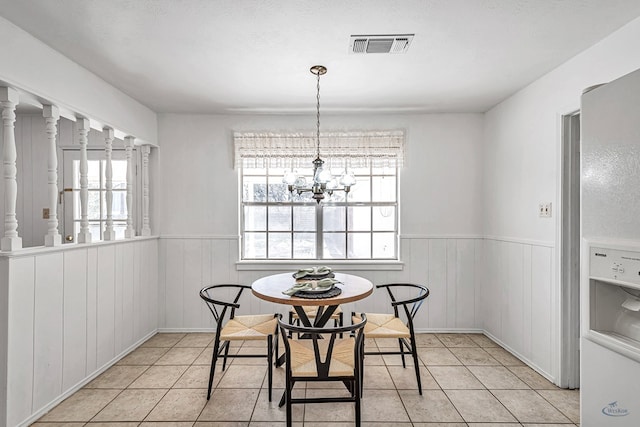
(398,43)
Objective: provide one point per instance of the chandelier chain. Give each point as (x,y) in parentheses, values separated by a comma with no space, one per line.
(318,114)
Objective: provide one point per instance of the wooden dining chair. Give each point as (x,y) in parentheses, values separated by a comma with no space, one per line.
(392,326)
(324,356)
(222,301)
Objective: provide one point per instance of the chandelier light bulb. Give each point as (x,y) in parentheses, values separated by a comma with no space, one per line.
(347,179)
(289,178)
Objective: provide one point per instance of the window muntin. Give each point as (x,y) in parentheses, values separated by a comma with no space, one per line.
(276,224)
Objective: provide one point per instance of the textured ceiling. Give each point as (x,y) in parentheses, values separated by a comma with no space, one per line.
(253,56)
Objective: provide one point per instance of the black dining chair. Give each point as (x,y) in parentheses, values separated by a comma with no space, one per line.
(222,301)
(392,326)
(312,312)
(324,356)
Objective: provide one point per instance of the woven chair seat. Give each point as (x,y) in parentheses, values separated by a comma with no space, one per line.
(249,327)
(384,326)
(303,362)
(313,311)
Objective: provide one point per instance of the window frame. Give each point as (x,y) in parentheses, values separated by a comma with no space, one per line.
(320,233)
(70,224)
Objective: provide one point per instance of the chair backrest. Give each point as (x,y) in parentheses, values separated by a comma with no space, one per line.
(324,342)
(222,300)
(410,305)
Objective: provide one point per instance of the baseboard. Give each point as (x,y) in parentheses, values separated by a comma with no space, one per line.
(36,415)
(524,359)
(449,331)
(184,330)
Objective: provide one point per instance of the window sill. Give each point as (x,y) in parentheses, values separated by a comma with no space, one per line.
(362,265)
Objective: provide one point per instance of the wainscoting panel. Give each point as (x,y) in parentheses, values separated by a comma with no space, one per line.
(75,318)
(20,358)
(448,266)
(48,328)
(517,300)
(66,307)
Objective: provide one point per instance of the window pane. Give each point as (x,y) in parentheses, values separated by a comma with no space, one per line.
(93,173)
(93,206)
(359,218)
(94,228)
(278,192)
(384,189)
(304,218)
(333,218)
(119,179)
(76,174)
(255,218)
(255,245)
(301,198)
(338,197)
(279,245)
(254,189)
(361,192)
(76,204)
(384,245)
(119,205)
(384,218)
(334,245)
(359,245)
(304,245)
(279,218)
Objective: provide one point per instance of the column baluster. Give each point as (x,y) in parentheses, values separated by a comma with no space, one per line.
(146,228)
(51,115)
(84,236)
(109,233)
(9,98)
(129,232)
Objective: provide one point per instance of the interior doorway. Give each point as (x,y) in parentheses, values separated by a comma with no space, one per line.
(570,244)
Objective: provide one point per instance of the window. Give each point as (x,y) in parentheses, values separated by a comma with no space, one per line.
(276,224)
(96,208)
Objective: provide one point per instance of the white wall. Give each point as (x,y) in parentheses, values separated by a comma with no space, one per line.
(521,165)
(440,183)
(31,66)
(71,312)
(440,188)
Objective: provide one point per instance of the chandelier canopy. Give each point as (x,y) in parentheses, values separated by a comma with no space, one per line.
(323,180)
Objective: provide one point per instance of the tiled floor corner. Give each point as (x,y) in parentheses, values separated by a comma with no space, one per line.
(467,379)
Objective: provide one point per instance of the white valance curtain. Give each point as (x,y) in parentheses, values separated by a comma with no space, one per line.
(337,149)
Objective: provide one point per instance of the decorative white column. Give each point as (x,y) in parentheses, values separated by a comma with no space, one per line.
(129,232)
(109,233)
(146,228)
(8,100)
(51,116)
(84,236)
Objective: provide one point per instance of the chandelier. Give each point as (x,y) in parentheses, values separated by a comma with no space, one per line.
(323,181)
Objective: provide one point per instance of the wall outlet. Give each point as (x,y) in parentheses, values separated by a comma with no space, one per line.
(45,213)
(544,210)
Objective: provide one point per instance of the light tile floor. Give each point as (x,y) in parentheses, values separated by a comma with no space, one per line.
(468,380)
